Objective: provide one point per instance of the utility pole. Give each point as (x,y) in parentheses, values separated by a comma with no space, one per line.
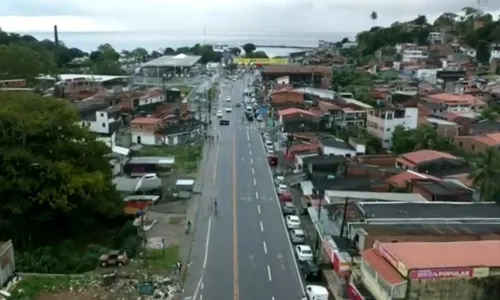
(318,225)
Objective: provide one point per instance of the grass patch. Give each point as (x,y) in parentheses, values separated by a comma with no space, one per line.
(184,89)
(31,287)
(186,157)
(163,260)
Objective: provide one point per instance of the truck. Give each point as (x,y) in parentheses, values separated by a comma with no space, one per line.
(315,292)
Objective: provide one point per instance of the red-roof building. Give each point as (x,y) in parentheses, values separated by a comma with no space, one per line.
(416,270)
(412,160)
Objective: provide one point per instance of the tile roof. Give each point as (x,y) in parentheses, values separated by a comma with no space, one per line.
(146,121)
(382,267)
(463,178)
(443,229)
(295,111)
(425,255)
(455,98)
(400,180)
(430,210)
(415,158)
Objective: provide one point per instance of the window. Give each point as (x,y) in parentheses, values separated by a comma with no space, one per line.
(461,144)
(473,147)
(103,125)
(388,129)
(102,115)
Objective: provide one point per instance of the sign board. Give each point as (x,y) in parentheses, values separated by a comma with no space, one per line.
(261,61)
(448,273)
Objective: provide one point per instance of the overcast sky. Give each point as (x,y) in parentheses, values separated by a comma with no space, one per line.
(219,16)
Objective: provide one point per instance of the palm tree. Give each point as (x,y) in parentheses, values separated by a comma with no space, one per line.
(486,173)
(374,17)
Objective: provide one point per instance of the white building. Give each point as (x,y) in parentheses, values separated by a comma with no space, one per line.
(469,51)
(337,147)
(382,122)
(102,120)
(495,53)
(410,52)
(436,38)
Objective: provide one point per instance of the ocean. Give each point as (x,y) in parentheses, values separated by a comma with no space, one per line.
(89,41)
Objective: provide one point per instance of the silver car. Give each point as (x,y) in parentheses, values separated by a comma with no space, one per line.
(297,236)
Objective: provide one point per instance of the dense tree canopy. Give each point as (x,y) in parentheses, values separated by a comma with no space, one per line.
(423,137)
(55,180)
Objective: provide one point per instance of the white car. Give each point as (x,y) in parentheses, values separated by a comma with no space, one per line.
(292,222)
(219,114)
(149,176)
(229,109)
(282,188)
(303,252)
(297,236)
(228,99)
(269,144)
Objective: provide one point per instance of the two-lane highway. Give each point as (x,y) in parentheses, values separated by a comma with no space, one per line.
(247,251)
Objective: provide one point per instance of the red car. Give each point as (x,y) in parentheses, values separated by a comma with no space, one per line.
(272,160)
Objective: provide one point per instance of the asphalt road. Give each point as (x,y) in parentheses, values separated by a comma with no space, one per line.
(243,252)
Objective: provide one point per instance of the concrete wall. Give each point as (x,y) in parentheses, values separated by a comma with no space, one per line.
(451,289)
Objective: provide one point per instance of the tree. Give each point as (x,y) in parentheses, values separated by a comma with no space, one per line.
(54,172)
(257,54)
(374,17)
(139,54)
(18,61)
(249,48)
(236,51)
(486,173)
(169,51)
(423,137)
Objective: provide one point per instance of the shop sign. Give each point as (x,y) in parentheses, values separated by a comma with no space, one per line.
(442,273)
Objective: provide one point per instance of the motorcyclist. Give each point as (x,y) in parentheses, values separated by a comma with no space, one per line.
(215,205)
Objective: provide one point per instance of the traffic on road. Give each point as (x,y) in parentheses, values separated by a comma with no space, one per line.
(249,243)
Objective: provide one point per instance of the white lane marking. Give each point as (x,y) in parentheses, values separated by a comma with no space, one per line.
(269,273)
(261,226)
(251,159)
(253,171)
(202,285)
(250,152)
(248,136)
(207,242)
(265,247)
(283,222)
(258,208)
(272,298)
(254,182)
(201,296)
(256,194)
(197,288)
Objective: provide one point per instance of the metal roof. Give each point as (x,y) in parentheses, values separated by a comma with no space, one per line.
(173,61)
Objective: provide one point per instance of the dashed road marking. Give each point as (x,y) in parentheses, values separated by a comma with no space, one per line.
(254,182)
(261,226)
(258,208)
(269,273)
(265,246)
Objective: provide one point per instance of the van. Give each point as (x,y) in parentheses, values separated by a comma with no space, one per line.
(316,292)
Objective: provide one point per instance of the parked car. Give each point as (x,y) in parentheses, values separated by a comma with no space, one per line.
(310,270)
(292,222)
(288,208)
(303,252)
(229,109)
(219,114)
(272,160)
(286,197)
(269,143)
(297,236)
(228,99)
(224,122)
(113,258)
(282,188)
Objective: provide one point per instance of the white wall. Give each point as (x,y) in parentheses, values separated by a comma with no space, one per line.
(336,151)
(101,124)
(429,75)
(110,141)
(386,126)
(146,138)
(494,54)
(148,99)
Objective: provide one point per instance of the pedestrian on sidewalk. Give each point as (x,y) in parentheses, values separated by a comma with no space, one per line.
(178,266)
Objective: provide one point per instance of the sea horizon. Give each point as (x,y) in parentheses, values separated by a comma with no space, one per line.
(156,40)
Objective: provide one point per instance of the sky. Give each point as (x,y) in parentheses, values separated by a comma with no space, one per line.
(220,16)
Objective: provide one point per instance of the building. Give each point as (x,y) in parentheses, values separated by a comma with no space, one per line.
(317,76)
(412,52)
(444,128)
(337,147)
(468,50)
(456,103)
(156,131)
(287,99)
(436,38)
(424,160)
(382,122)
(158,71)
(478,143)
(298,120)
(7,262)
(495,52)
(101,118)
(433,271)
(441,190)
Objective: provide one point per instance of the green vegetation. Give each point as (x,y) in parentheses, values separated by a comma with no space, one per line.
(184,89)
(417,31)
(59,205)
(356,82)
(31,287)
(186,156)
(423,137)
(251,53)
(163,260)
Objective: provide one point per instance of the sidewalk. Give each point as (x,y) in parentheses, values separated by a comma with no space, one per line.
(192,209)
